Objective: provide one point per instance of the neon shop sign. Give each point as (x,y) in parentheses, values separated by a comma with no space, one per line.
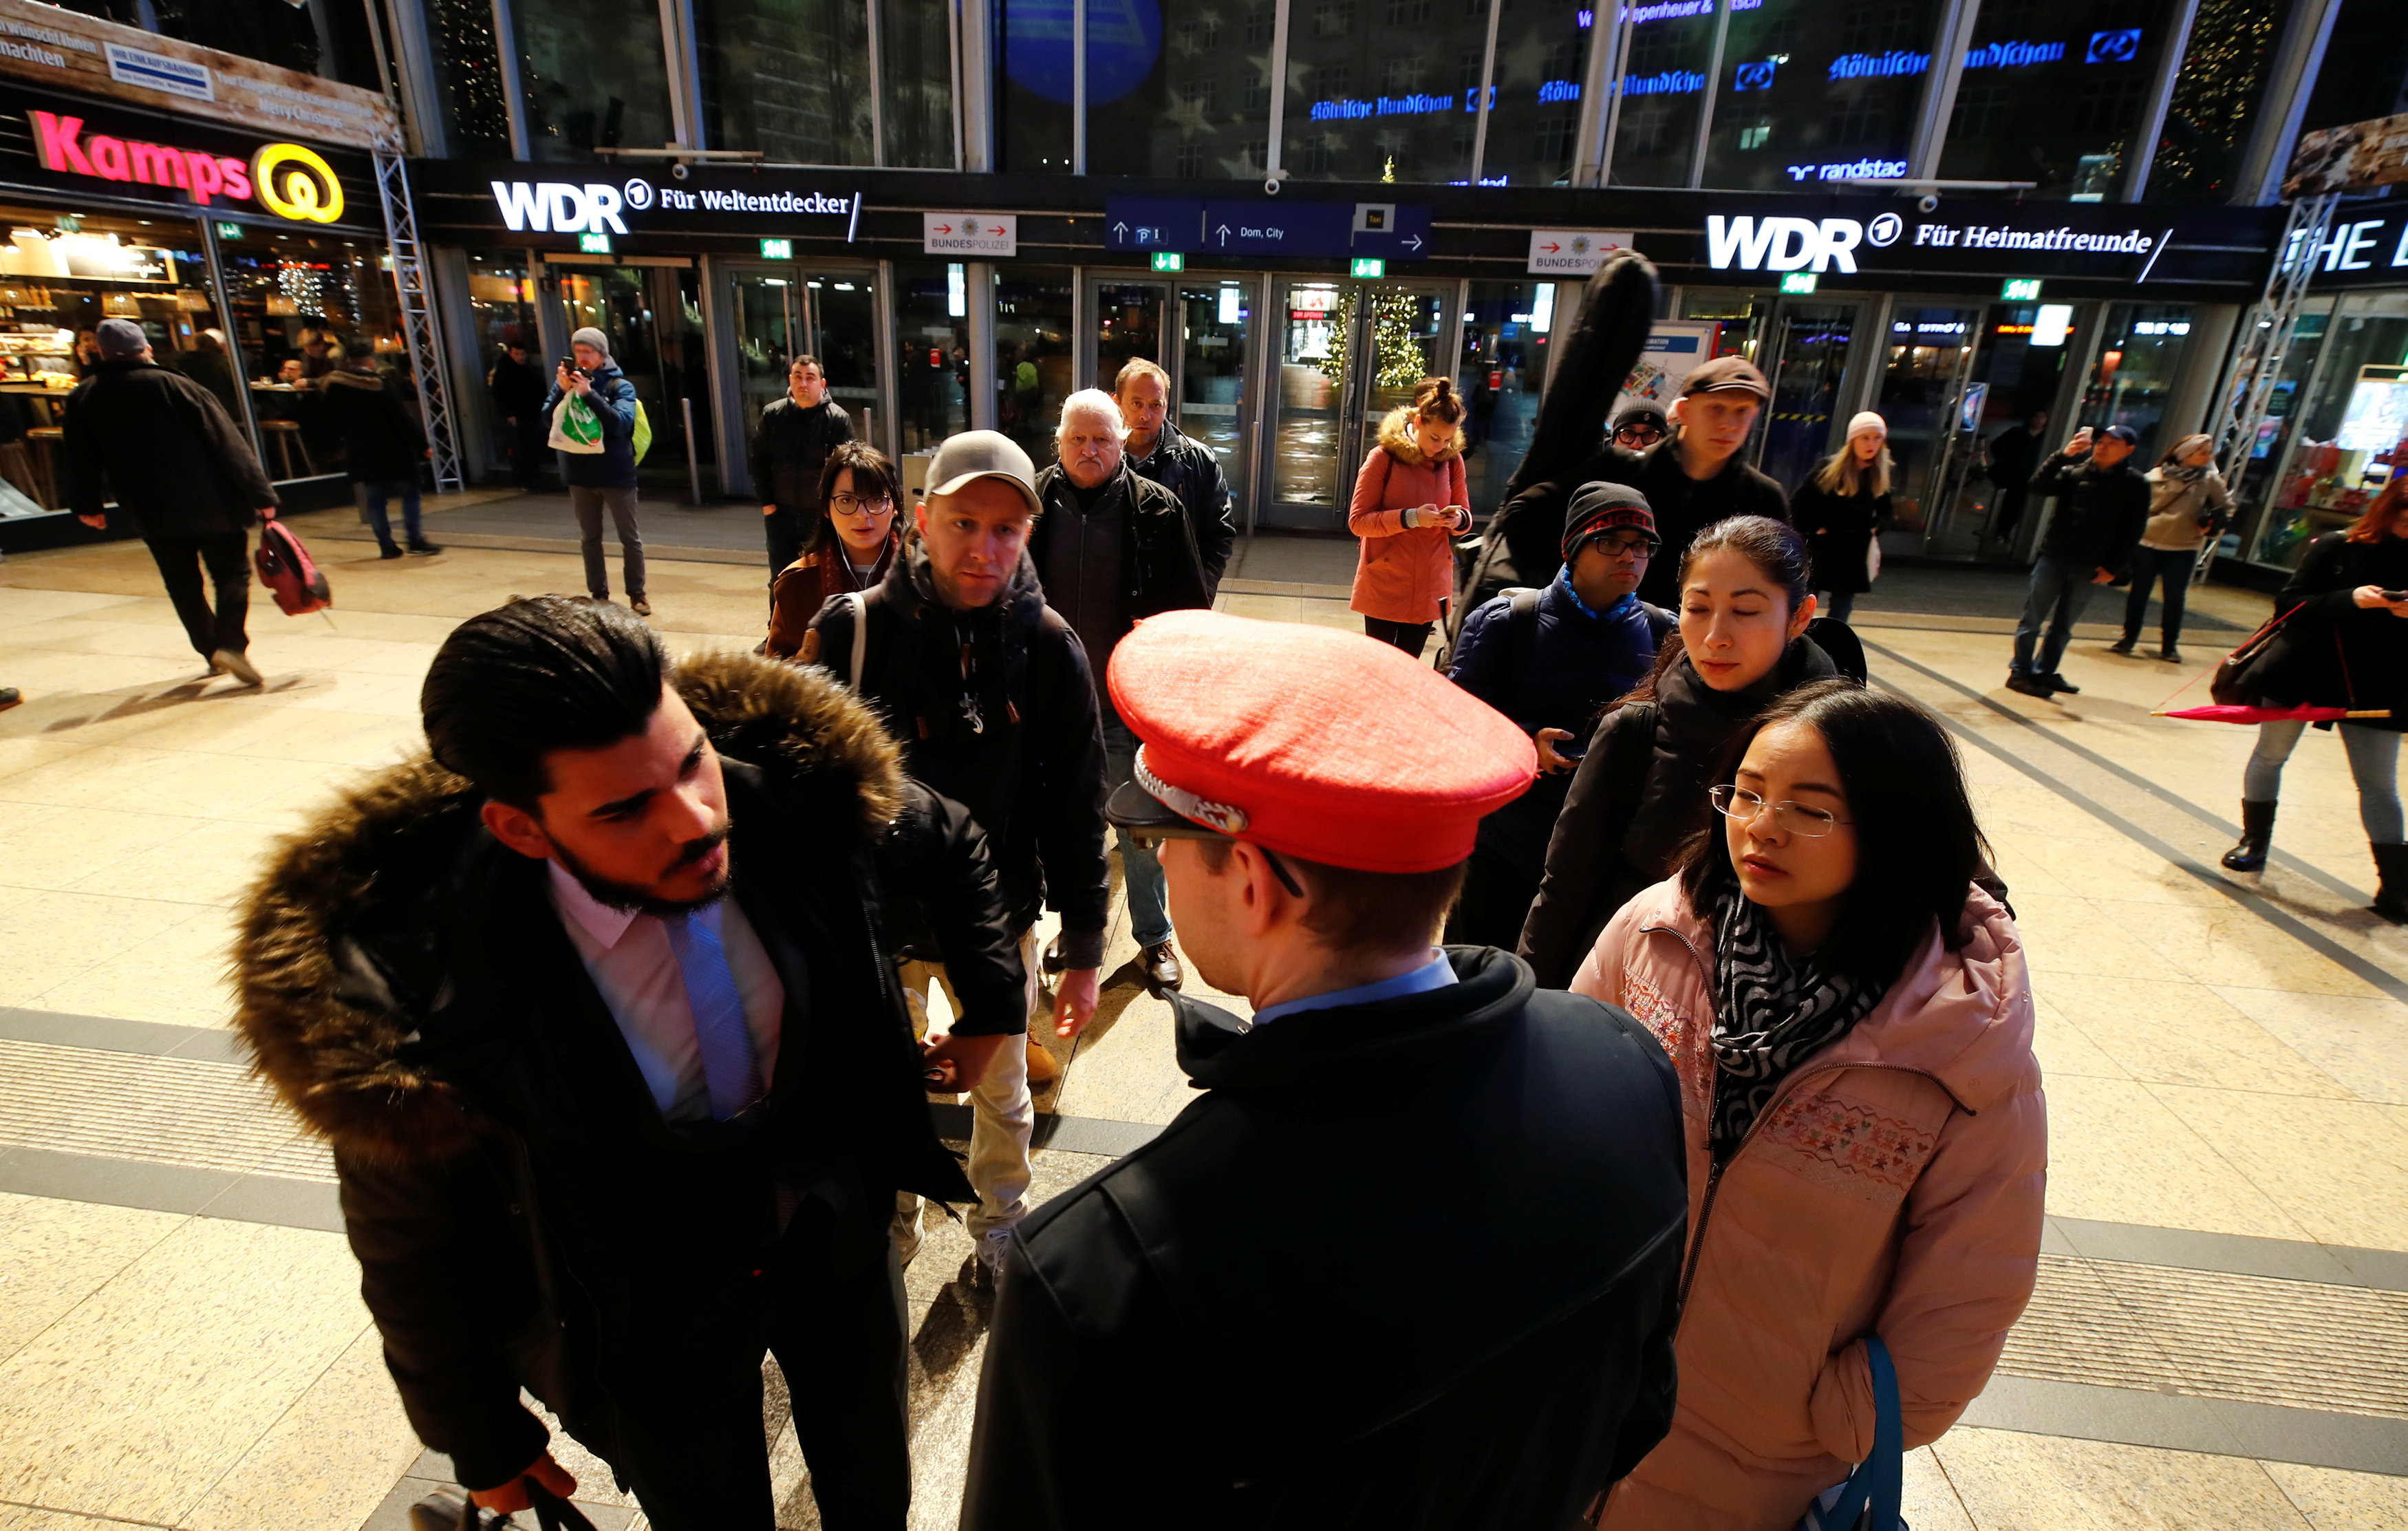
(287,179)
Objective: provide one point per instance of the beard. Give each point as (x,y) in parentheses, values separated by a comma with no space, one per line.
(630,898)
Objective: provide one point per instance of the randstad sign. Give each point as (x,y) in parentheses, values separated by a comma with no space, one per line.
(287,179)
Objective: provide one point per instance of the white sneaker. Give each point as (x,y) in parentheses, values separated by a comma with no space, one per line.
(233,662)
(991,1251)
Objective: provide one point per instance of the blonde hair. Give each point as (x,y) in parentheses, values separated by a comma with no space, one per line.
(1839,474)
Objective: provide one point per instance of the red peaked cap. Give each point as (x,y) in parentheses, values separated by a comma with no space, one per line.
(1315,743)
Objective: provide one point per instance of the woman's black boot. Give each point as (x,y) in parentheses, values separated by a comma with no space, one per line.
(2391,894)
(2257,833)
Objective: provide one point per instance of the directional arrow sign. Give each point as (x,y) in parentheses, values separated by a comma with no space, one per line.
(1571,252)
(1280,226)
(1133,222)
(969,234)
(1405,234)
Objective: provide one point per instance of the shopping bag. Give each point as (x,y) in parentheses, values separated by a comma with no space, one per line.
(1868,1500)
(575,427)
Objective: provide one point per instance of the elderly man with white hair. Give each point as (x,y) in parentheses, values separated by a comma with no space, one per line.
(1112,547)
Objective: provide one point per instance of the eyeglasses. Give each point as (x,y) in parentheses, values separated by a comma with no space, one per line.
(1625,547)
(854,505)
(1638,436)
(1789,818)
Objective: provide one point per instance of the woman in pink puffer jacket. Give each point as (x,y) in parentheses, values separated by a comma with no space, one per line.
(1851,1024)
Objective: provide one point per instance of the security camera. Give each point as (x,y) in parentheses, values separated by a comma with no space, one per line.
(1928,201)
(1272,184)
(681,169)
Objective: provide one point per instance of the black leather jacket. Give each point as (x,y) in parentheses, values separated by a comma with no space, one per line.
(1161,567)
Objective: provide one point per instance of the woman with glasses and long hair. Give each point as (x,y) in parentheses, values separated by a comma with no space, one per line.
(2346,645)
(1851,1020)
(1841,507)
(849,548)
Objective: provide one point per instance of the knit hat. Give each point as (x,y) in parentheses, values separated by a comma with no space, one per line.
(120,340)
(1864,420)
(589,336)
(1598,508)
(2189,444)
(1641,414)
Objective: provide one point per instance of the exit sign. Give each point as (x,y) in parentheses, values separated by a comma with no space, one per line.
(2020,290)
(229,231)
(594,244)
(1367,268)
(777,250)
(1798,282)
(1165,260)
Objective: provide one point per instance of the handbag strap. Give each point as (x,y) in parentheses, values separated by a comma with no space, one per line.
(1872,1494)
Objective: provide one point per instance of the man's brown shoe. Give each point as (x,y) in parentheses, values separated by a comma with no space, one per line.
(1043,1068)
(1159,962)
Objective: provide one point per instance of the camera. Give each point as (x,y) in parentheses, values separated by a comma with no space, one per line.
(680,170)
(1928,201)
(1271,182)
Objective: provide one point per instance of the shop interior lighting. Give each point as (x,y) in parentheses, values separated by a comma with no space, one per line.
(2051,323)
(1228,312)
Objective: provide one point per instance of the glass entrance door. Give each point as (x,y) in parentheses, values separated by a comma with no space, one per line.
(784,311)
(1126,324)
(1348,354)
(1810,360)
(1924,364)
(653,315)
(2018,363)
(1210,381)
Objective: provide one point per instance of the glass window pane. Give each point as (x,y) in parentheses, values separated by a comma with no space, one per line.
(916,72)
(2330,478)
(2053,93)
(2138,357)
(1541,52)
(290,290)
(1928,353)
(1810,356)
(1213,379)
(653,317)
(1183,94)
(1663,88)
(468,78)
(1033,318)
(594,76)
(1033,86)
(2216,100)
(789,77)
(1315,326)
(932,353)
(1500,375)
(1383,90)
(1128,325)
(501,311)
(1810,95)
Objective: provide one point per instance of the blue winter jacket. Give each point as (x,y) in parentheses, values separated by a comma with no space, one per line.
(1572,662)
(614,405)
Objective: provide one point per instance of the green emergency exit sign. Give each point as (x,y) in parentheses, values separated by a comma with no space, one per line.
(229,231)
(777,250)
(594,244)
(1367,268)
(1165,260)
(1798,282)
(2020,290)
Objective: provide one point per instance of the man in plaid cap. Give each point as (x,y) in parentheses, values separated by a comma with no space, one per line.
(1345,1286)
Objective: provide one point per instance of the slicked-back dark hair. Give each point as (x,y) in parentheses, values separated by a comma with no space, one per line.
(543,673)
(1918,844)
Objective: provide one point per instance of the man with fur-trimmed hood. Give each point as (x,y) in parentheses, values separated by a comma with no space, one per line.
(594,1004)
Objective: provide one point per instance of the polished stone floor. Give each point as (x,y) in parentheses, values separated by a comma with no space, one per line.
(2220,1337)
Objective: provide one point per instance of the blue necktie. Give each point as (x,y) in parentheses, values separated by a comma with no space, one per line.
(719,1031)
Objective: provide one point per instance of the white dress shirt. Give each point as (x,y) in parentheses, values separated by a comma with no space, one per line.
(629,958)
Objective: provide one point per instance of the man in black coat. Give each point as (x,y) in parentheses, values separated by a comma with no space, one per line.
(1234,1326)
(594,1006)
(1159,449)
(789,449)
(518,388)
(180,466)
(2014,455)
(383,446)
(2102,504)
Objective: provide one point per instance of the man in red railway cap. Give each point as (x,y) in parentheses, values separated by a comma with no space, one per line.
(1410,1259)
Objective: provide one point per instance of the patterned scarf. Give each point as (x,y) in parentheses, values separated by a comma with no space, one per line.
(1771,1011)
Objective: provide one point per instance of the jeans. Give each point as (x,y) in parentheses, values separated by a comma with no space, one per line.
(374,494)
(589,501)
(1149,904)
(2060,587)
(227,557)
(1837,604)
(1003,1118)
(2374,765)
(1407,635)
(2149,566)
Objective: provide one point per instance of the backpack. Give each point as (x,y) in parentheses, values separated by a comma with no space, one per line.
(643,436)
(285,568)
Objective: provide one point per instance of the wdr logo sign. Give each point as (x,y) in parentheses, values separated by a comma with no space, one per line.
(557,208)
(1784,244)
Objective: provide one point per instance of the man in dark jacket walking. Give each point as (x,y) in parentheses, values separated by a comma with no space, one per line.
(180,466)
(2102,504)
(610,1124)
(1111,548)
(518,388)
(2014,455)
(601,474)
(789,449)
(383,446)
(1156,448)
(1223,1327)
(988,691)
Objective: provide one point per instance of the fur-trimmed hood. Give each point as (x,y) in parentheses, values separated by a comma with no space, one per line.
(341,950)
(1397,436)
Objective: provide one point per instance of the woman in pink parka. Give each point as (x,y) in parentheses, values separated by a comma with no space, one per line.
(1851,1020)
(1410,500)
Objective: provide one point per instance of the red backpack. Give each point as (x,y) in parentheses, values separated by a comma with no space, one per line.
(285,568)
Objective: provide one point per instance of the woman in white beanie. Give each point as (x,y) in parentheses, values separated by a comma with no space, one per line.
(1841,507)
(2187,504)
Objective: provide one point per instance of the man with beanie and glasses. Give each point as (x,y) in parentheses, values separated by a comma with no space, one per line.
(599,469)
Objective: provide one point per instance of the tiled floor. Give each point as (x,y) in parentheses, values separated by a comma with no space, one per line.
(2219,1337)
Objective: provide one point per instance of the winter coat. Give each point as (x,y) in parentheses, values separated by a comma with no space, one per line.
(1223,1327)
(2333,652)
(1405,573)
(519,388)
(1560,669)
(1159,568)
(1638,796)
(212,371)
(613,399)
(1839,531)
(522,1215)
(2014,452)
(1893,1187)
(382,441)
(1186,467)
(1025,755)
(2099,511)
(805,585)
(2181,512)
(1532,522)
(167,450)
(790,448)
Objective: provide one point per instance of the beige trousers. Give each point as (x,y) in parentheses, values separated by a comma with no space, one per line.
(1003,1118)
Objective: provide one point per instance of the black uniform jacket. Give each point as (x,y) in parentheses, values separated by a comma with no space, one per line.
(522,1213)
(164,448)
(1410,1263)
